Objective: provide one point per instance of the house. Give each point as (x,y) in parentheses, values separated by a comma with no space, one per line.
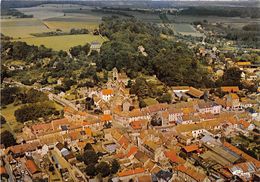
(42,129)
(174,158)
(137,114)
(239,152)
(126,105)
(128,174)
(233,100)
(190,175)
(180,89)
(139,124)
(3,174)
(106,118)
(172,115)
(106,94)
(196,93)
(95,46)
(64,152)
(20,150)
(208,107)
(229,89)
(244,170)
(33,169)
(190,148)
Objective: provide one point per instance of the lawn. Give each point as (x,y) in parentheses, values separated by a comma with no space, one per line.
(63,42)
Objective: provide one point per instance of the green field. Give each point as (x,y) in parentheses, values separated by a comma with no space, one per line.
(184,29)
(63,42)
(22,27)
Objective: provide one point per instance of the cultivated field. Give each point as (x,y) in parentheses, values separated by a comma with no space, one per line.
(184,29)
(22,27)
(63,42)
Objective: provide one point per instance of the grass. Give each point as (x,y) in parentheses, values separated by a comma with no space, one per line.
(150,101)
(11,125)
(62,42)
(22,27)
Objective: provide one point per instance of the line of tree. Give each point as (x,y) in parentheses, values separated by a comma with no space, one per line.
(252,12)
(15,13)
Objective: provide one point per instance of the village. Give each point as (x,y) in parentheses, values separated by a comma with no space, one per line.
(189,139)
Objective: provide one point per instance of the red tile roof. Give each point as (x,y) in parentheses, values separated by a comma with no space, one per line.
(107,92)
(131,172)
(174,157)
(229,89)
(138,124)
(106,117)
(2,170)
(191,148)
(123,141)
(132,151)
(31,166)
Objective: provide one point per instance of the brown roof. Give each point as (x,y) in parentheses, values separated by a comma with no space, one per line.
(195,92)
(136,113)
(31,166)
(191,172)
(59,146)
(131,172)
(138,124)
(2,170)
(22,148)
(243,154)
(145,178)
(141,156)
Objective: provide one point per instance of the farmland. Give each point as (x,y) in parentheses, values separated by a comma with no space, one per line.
(62,42)
(22,27)
(184,29)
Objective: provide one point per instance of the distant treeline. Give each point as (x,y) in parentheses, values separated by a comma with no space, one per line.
(252,27)
(15,13)
(58,32)
(253,12)
(111,11)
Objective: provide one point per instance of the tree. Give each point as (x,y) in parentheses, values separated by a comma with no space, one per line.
(156,120)
(232,77)
(2,120)
(75,51)
(90,157)
(88,146)
(103,169)
(51,168)
(167,97)
(91,170)
(140,88)
(115,166)
(7,139)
